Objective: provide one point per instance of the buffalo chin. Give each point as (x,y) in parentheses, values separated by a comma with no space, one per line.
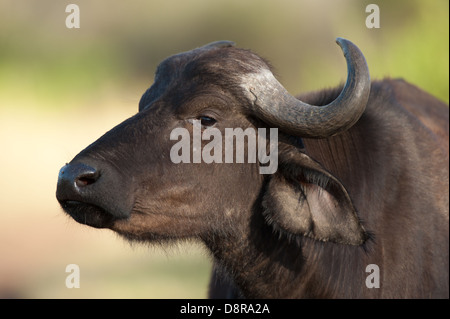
(88,214)
(145,238)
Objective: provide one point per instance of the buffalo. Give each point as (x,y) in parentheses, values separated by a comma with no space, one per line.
(357,206)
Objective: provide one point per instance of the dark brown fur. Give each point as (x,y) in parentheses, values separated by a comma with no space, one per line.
(394,167)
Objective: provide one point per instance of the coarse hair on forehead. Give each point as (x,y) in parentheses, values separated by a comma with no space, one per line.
(226,67)
(227,63)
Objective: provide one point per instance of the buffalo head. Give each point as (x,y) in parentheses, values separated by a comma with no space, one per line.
(127,181)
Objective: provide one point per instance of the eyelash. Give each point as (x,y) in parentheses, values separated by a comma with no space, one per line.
(207,121)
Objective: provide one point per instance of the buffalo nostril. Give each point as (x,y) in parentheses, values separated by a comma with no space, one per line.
(73,177)
(77,183)
(86,179)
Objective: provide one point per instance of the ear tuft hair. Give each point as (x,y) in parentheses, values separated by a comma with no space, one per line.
(303,199)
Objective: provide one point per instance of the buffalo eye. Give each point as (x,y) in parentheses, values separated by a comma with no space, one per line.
(207,121)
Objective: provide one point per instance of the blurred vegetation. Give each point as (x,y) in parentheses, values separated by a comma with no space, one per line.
(139,273)
(120,44)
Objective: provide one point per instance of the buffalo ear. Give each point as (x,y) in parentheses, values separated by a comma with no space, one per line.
(302,198)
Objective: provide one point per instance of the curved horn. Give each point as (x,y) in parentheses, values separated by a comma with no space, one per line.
(272,102)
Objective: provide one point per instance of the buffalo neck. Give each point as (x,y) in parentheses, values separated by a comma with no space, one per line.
(265,264)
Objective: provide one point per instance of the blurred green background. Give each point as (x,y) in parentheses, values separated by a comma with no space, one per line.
(61,88)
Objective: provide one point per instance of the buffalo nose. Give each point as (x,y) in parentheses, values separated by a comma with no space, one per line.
(93,195)
(73,178)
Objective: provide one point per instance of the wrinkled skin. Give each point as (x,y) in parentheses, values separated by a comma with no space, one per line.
(374,194)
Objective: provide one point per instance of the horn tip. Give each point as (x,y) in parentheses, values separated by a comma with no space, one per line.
(343,43)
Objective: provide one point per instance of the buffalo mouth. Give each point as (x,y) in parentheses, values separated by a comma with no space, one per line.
(88,214)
